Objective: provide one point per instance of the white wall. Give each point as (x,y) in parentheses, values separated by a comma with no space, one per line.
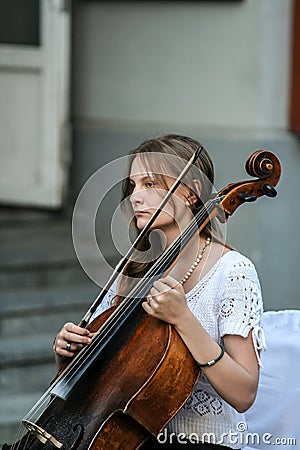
(218,71)
(222,64)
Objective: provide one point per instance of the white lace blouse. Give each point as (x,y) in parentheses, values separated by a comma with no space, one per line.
(227,300)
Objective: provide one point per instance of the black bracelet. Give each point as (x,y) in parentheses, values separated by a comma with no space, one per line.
(213,361)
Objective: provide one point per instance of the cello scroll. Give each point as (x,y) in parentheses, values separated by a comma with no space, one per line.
(262,164)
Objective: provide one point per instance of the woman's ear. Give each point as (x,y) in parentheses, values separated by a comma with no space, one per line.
(198,187)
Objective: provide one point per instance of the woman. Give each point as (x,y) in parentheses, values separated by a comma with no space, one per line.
(211,296)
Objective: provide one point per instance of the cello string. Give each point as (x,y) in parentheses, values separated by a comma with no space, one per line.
(106,328)
(158,265)
(126,304)
(85,320)
(38,405)
(42,404)
(119,313)
(18,437)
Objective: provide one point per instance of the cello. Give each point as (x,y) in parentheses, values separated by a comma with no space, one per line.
(137,373)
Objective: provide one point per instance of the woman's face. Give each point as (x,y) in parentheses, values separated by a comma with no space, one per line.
(148,192)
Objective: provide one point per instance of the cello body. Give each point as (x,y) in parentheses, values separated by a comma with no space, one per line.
(130,393)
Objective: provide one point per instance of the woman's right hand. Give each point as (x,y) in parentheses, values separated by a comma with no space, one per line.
(70,339)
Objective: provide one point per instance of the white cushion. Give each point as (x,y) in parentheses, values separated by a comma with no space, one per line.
(276,411)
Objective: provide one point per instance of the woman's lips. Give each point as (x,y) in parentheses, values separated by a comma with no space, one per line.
(139,213)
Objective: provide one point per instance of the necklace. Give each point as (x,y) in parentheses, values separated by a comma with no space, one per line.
(195,263)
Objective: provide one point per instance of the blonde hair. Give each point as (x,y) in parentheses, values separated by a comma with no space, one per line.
(171,146)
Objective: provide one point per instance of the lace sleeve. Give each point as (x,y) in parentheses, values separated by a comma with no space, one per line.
(241,307)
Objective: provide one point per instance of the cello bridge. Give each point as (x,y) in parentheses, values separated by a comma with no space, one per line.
(42,435)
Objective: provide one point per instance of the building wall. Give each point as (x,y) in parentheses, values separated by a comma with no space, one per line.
(218,71)
(202,63)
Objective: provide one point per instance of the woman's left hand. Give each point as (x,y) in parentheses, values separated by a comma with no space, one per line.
(166,301)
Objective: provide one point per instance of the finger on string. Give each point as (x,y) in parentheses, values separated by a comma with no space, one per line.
(72,328)
(72,337)
(170,281)
(93,335)
(161,286)
(154,292)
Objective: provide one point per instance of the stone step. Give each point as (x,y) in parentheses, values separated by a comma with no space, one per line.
(36,241)
(40,310)
(39,254)
(30,350)
(26,302)
(39,251)
(18,216)
(27,369)
(15,380)
(12,409)
(41,275)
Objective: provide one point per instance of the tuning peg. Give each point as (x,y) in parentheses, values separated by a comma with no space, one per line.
(247,197)
(269,190)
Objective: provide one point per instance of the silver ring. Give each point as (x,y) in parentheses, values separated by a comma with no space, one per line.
(68,346)
(149,300)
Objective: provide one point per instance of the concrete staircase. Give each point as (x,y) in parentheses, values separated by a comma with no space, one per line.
(41,287)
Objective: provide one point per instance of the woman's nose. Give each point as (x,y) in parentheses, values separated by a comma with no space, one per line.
(136,196)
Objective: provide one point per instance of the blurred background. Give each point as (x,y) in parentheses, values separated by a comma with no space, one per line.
(82,82)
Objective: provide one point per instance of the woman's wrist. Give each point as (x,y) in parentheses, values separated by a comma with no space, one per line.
(204,349)
(185,321)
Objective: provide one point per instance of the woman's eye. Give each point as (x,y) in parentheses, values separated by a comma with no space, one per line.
(150,184)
